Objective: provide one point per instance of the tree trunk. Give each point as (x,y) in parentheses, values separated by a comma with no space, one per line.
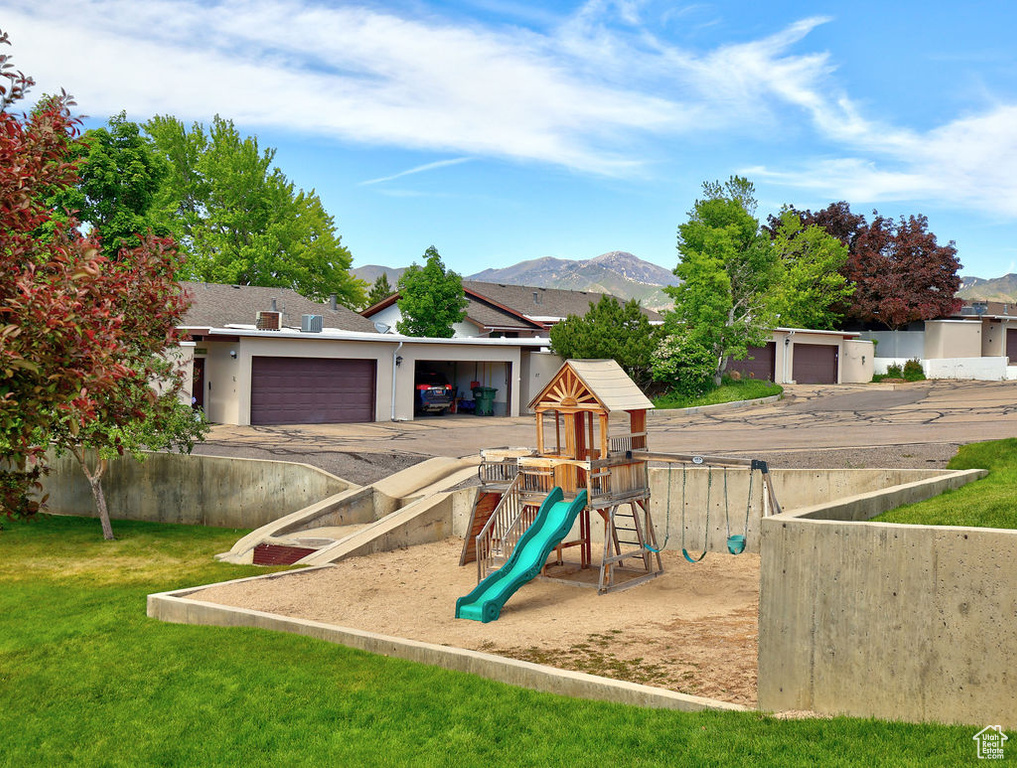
(95,483)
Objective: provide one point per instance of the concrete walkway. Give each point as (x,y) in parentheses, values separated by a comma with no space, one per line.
(809,418)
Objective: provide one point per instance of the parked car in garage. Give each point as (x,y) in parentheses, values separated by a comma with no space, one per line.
(434,393)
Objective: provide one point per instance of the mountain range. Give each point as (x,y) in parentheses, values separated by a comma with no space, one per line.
(997,289)
(617,272)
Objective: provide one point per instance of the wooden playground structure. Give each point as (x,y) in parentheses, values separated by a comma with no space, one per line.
(591,435)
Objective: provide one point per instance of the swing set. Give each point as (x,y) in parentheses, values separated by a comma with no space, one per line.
(735,542)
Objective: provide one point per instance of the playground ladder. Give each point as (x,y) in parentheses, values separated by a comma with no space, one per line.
(628,531)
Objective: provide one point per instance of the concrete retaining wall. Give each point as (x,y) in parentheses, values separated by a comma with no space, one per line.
(891,621)
(176,607)
(198,490)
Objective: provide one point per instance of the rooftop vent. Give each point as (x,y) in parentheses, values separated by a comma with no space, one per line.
(310,323)
(269,321)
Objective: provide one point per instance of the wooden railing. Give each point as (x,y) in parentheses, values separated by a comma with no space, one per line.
(498,472)
(490,541)
(626,442)
(499,466)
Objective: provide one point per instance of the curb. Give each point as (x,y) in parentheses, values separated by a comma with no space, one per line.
(175,607)
(661,412)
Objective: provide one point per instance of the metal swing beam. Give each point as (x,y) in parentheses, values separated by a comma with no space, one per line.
(717,461)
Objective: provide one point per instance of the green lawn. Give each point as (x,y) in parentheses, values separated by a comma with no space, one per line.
(987,503)
(728,392)
(87,679)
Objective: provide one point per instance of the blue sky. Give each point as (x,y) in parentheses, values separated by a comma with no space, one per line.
(503,130)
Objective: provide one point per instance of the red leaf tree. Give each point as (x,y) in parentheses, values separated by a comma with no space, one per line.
(900,273)
(82,337)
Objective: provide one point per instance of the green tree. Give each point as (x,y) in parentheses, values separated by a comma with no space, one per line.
(727,267)
(182,195)
(119,175)
(431,299)
(242,221)
(810,285)
(380,291)
(609,330)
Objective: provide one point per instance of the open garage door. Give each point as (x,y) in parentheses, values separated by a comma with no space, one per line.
(759,364)
(464,376)
(298,390)
(815,364)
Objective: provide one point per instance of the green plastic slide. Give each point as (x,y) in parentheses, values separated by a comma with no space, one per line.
(553,522)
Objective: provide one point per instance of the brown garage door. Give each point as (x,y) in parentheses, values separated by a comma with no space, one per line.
(815,364)
(298,390)
(1011,345)
(758,365)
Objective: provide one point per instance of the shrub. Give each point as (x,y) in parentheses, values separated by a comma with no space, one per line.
(894,372)
(913,370)
(686,367)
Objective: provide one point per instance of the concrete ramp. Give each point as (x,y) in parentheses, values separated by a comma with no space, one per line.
(412,498)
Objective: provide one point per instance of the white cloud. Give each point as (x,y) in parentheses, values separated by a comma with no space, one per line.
(585,94)
(418,169)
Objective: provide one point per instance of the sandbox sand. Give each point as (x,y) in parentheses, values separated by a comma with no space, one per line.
(693,630)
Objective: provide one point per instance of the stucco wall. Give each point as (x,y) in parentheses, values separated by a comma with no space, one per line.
(222,404)
(785,341)
(952,339)
(538,369)
(198,490)
(857,361)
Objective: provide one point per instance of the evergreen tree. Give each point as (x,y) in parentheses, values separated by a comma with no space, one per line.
(380,291)
(610,330)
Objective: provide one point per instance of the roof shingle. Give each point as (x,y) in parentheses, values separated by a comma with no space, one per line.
(215,306)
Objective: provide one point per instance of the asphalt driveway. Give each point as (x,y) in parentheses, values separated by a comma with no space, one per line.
(875,425)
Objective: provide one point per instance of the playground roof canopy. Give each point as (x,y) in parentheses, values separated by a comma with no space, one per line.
(605,383)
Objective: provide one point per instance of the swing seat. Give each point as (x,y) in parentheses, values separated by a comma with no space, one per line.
(736,544)
(693,560)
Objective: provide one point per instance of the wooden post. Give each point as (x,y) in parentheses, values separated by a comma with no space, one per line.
(637,423)
(540,433)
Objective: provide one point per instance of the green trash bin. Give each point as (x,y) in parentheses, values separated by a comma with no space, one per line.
(484,397)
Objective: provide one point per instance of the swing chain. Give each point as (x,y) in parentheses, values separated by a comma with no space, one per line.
(706,543)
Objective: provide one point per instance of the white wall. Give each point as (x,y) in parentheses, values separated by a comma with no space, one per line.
(389,316)
(221,385)
(979,368)
(976,368)
(538,369)
(857,361)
